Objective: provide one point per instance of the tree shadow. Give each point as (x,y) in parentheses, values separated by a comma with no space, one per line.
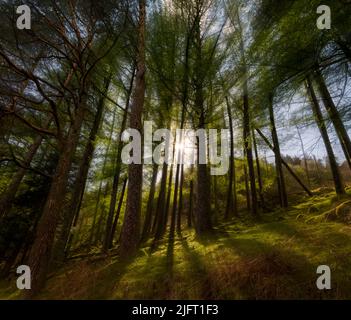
(200,274)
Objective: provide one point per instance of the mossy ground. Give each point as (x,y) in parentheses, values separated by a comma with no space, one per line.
(275,258)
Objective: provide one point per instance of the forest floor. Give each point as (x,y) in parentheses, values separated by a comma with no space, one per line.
(275,258)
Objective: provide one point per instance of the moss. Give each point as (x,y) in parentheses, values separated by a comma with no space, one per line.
(271,259)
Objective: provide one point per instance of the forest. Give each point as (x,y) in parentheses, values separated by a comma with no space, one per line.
(258,76)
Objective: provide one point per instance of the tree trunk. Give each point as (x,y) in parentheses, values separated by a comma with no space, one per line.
(304,157)
(334,117)
(81,178)
(40,254)
(215,200)
(278,160)
(190,211)
(115,221)
(174,204)
(99,232)
(317,168)
(111,212)
(161,203)
(97,205)
(130,235)
(258,169)
(247,125)
(339,187)
(114,190)
(180,207)
(177,177)
(231,206)
(150,204)
(247,187)
(168,200)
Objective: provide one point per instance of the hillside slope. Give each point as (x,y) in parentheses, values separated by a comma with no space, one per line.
(276,258)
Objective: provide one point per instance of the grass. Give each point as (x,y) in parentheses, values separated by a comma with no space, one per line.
(276,258)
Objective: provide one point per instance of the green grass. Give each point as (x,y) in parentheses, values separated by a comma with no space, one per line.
(275,258)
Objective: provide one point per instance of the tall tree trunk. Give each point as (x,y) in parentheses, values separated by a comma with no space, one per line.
(161,204)
(215,200)
(130,235)
(111,212)
(177,177)
(231,206)
(334,117)
(203,208)
(174,204)
(278,160)
(115,183)
(304,157)
(184,100)
(81,178)
(317,168)
(115,221)
(339,187)
(97,205)
(249,156)
(168,200)
(40,254)
(247,187)
(258,169)
(203,223)
(150,204)
(180,207)
(99,232)
(247,125)
(190,211)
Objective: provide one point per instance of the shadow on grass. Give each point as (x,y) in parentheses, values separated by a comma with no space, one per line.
(200,276)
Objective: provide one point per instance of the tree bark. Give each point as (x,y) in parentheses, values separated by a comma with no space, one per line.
(177,177)
(111,212)
(334,117)
(278,160)
(115,221)
(40,254)
(130,235)
(158,225)
(304,157)
(231,206)
(247,187)
(180,207)
(97,205)
(258,169)
(339,187)
(247,125)
(150,204)
(81,178)
(190,211)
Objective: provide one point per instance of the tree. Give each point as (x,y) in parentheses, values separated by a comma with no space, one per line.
(131,224)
